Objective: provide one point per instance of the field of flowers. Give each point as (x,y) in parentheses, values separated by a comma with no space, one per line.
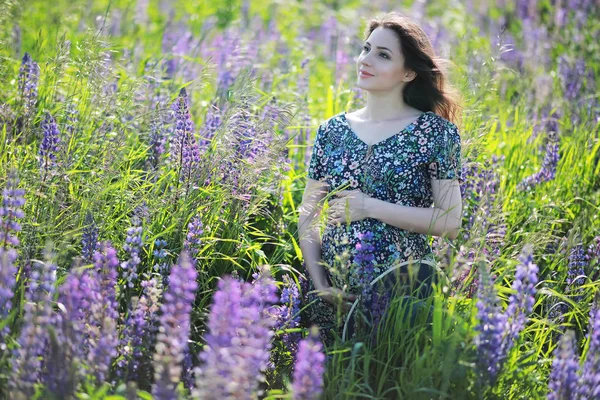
(153,156)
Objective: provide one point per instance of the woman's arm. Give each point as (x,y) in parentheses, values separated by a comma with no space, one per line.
(308,231)
(444,219)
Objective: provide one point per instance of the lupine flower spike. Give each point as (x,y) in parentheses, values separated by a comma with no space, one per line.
(174,328)
(238,344)
(563,378)
(309,368)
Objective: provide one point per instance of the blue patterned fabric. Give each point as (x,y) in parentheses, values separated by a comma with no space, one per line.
(397,169)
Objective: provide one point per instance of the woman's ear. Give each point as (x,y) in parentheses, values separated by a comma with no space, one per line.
(409,76)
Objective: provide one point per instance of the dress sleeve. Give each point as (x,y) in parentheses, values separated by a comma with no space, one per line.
(446,162)
(317,168)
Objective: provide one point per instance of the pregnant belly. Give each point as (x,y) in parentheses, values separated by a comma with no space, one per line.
(391,244)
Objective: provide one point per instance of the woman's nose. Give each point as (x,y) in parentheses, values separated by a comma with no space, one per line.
(365,60)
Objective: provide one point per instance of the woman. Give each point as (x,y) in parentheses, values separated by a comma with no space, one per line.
(381,168)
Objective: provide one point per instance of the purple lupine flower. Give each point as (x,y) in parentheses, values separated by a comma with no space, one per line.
(537,43)
(577,80)
(141,211)
(525,9)
(133,245)
(303,138)
(571,77)
(168,42)
(379,305)
(581,9)
(365,259)
(157,140)
(521,302)
(188,368)
(329,34)
(229,61)
(184,43)
(139,333)
(77,295)
(185,152)
(7,116)
(249,141)
(153,93)
(249,144)
(548,170)
(72,340)
(161,266)
(70,128)
(479,193)
(270,114)
(593,252)
(576,275)
(193,240)
(548,123)
(464,267)
(594,249)
(372,303)
(491,326)
(10,213)
(33,339)
(28,82)
(89,238)
(578,260)
(238,344)
(309,368)
(341,64)
(7,283)
(104,312)
(509,52)
(589,387)
(49,145)
(60,376)
(494,238)
(174,330)
(563,378)
(288,314)
(212,121)
(265,291)
(71,118)
(303,79)
(140,16)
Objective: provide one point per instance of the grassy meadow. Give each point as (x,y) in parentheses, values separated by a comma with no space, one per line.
(153,157)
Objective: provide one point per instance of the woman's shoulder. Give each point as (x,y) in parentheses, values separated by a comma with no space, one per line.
(330,124)
(436,119)
(443,123)
(334,119)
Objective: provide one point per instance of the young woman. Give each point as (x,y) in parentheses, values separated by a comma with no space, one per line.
(382,168)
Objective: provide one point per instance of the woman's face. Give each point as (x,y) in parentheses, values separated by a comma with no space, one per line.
(382,58)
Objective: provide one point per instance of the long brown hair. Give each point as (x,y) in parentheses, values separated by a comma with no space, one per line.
(429,90)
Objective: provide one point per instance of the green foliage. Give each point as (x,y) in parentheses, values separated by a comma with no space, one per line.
(103,170)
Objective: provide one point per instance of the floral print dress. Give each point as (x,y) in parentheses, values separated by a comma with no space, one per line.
(397,169)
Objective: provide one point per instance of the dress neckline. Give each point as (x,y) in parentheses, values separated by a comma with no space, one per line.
(413,123)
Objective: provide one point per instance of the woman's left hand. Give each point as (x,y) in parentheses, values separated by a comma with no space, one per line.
(349,205)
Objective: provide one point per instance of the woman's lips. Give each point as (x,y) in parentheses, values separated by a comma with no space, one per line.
(363,74)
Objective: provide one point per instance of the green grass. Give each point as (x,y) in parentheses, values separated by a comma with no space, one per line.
(102,170)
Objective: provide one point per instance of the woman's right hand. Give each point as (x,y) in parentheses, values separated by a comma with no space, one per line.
(336,296)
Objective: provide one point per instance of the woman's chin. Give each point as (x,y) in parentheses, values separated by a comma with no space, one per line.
(361,85)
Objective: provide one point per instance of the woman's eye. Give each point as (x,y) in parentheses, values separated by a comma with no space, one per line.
(366,48)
